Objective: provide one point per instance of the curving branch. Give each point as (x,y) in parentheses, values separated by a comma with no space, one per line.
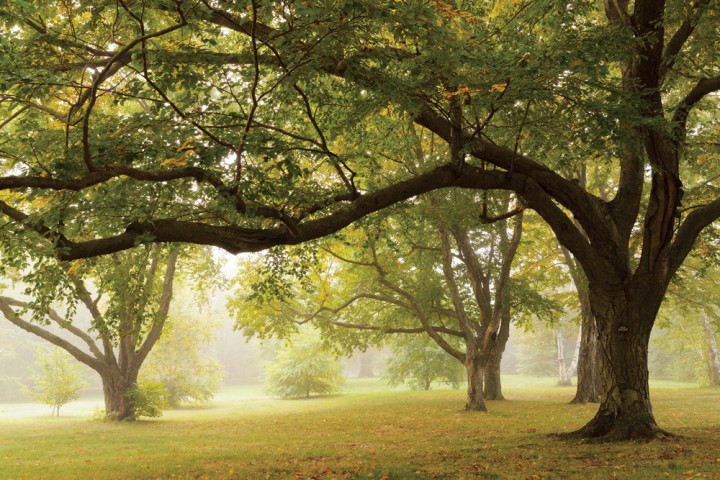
(681,36)
(164,308)
(236,239)
(92,306)
(6,304)
(702,88)
(688,231)
(469,328)
(360,326)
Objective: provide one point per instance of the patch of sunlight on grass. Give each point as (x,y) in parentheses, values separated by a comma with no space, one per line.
(367,432)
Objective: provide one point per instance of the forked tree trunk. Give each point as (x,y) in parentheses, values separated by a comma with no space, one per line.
(624,333)
(588,371)
(118,406)
(492,386)
(475,373)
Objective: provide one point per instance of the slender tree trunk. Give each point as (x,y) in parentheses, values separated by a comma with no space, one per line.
(118,405)
(475,374)
(624,329)
(588,371)
(563,377)
(713,359)
(572,369)
(366,359)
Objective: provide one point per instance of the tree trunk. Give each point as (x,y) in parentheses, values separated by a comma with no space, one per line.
(588,371)
(713,357)
(493,384)
(563,377)
(475,373)
(572,369)
(492,387)
(366,360)
(624,333)
(118,405)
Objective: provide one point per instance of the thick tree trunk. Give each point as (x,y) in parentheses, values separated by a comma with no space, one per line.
(475,373)
(493,383)
(588,371)
(118,405)
(492,387)
(623,335)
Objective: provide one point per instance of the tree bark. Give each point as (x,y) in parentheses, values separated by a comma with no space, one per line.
(118,406)
(492,386)
(624,327)
(588,372)
(493,382)
(475,374)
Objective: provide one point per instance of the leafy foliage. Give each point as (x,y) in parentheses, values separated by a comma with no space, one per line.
(180,364)
(302,368)
(57,379)
(147,399)
(419,362)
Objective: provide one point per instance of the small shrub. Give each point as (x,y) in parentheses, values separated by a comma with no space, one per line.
(147,399)
(303,368)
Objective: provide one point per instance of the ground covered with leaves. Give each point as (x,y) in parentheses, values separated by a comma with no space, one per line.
(366,435)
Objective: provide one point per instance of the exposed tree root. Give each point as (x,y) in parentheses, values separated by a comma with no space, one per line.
(617,433)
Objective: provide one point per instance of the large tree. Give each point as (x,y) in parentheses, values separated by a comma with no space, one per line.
(271,120)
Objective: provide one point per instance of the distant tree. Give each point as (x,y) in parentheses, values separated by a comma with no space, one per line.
(57,379)
(180,364)
(419,362)
(417,271)
(536,352)
(302,367)
(128,296)
(690,321)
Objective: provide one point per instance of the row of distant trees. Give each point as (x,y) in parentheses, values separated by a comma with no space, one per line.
(178,372)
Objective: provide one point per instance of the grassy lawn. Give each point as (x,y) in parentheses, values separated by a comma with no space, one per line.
(365,433)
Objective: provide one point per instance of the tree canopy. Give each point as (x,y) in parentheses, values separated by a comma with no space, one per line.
(247,125)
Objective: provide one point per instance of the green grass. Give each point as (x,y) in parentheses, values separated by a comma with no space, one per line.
(370,433)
